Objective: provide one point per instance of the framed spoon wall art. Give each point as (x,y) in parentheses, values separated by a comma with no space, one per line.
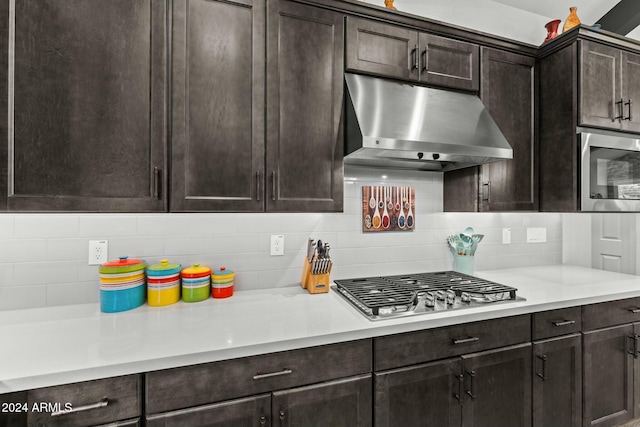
(388,208)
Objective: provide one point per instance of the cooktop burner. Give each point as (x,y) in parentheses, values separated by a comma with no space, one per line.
(403,295)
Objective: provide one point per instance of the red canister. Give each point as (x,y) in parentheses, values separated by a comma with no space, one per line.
(222,282)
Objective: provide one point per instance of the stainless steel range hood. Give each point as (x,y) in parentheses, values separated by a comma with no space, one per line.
(399,125)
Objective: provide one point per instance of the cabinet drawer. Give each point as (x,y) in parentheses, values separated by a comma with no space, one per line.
(212,382)
(90,403)
(416,347)
(553,323)
(601,315)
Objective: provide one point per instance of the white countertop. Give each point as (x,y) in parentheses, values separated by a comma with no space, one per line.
(59,345)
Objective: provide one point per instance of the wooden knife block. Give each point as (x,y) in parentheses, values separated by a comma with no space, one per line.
(315,283)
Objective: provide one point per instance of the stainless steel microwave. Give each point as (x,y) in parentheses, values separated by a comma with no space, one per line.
(610,171)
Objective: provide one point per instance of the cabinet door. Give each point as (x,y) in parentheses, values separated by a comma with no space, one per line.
(343,403)
(425,395)
(497,384)
(508,93)
(630,83)
(450,63)
(382,49)
(599,85)
(253,411)
(608,376)
(217,140)
(305,80)
(86,124)
(557,382)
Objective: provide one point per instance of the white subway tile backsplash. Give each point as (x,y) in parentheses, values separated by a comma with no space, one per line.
(6,274)
(45,255)
(6,226)
(72,293)
(43,273)
(103,226)
(20,297)
(66,249)
(40,226)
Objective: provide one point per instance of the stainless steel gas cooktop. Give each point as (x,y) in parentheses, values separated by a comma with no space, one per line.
(412,294)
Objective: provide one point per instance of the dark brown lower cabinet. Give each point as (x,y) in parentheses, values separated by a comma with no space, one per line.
(254,411)
(609,357)
(342,403)
(497,387)
(557,382)
(490,388)
(424,395)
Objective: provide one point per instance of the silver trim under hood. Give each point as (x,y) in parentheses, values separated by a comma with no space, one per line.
(399,125)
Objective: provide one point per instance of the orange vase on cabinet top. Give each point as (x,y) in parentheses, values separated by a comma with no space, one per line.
(572,20)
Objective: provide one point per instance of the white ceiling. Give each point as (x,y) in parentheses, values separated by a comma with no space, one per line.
(522,20)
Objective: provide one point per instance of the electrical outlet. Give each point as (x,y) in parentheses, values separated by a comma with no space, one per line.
(506,236)
(277,245)
(98,251)
(536,235)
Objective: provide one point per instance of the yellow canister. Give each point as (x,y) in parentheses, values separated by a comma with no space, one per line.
(163,283)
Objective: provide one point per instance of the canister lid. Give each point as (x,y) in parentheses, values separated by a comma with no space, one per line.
(165,268)
(122,265)
(196,271)
(223,273)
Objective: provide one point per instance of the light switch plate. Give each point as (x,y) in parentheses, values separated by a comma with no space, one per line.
(506,236)
(536,235)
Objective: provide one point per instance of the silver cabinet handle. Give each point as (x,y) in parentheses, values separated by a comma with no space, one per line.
(273,184)
(466,340)
(620,105)
(487,194)
(285,371)
(563,322)
(258,185)
(156,183)
(472,391)
(425,60)
(104,402)
(414,54)
(635,310)
(543,375)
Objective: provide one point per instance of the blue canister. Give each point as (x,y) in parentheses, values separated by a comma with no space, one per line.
(122,285)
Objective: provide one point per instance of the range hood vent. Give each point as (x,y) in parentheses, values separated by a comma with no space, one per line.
(400,125)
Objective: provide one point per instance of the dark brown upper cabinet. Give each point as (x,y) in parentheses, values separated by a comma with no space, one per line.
(393,51)
(609,87)
(305,81)
(508,92)
(217,140)
(85,122)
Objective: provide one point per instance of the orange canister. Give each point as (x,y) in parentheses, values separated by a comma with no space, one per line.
(163,283)
(222,282)
(196,283)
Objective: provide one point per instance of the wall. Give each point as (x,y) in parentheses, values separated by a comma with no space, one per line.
(43,257)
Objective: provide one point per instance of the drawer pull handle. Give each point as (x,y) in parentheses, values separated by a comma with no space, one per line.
(466,340)
(104,402)
(635,310)
(563,322)
(272,374)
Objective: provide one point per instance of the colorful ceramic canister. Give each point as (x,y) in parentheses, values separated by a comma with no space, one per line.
(122,284)
(222,282)
(196,283)
(163,283)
